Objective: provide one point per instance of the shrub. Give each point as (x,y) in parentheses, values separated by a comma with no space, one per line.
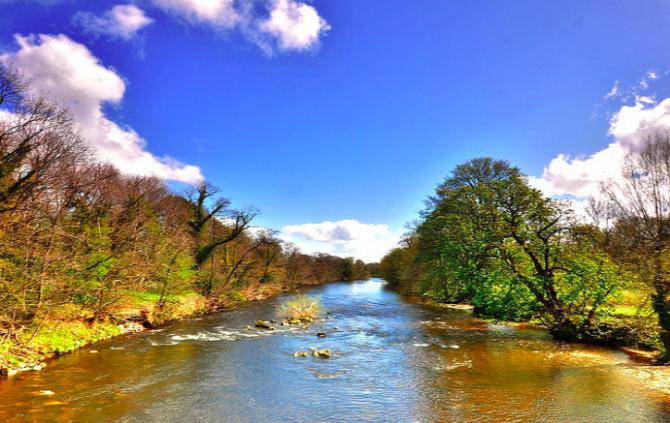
(302,307)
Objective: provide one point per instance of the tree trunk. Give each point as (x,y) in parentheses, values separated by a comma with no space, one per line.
(662,308)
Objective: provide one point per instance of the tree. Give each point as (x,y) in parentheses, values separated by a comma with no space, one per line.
(224,224)
(490,239)
(641,199)
(34,135)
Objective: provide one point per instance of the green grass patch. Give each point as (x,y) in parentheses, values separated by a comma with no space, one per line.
(63,337)
(625,310)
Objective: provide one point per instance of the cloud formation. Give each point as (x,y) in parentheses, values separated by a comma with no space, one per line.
(70,74)
(344,238)
(581,177)
(122,21)
(274,25)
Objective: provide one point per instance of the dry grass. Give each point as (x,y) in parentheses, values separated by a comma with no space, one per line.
(302,307)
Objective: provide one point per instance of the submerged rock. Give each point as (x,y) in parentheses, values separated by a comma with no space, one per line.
(325,353)
(321,334)
(301,354)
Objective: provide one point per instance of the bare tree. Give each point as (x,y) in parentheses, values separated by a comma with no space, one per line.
(642,200)
(34,134)
(205,216)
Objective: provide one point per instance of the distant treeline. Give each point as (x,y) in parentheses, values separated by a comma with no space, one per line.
(76,234)
(487,238)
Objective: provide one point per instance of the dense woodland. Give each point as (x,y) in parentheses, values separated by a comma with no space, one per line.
(487,238)
(77,235)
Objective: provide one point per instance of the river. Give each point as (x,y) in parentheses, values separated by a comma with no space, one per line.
(393,361)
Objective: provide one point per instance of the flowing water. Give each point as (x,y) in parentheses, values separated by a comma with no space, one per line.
(393,361)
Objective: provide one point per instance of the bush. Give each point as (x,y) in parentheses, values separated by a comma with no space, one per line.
(302,307)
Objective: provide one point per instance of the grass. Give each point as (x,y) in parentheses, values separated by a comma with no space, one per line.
(625,310)
(52,337)
(64,337)
(302,307)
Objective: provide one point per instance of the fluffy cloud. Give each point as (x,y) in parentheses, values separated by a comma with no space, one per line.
(581,176)
(121,21)
(284,25)
(294,25)
(344,238)
(67,72)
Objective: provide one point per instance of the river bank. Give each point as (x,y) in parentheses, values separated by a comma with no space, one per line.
(637,348)
(135,312)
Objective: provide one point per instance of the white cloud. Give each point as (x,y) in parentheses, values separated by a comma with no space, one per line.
(294,25)
(344,238)
(70,74)
(274,25)
(581,176)
(216,12)
(121,21)
(614,91)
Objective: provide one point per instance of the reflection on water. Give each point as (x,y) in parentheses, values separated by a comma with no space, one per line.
(393,361)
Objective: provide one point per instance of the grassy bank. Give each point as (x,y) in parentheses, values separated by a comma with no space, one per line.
(71,327)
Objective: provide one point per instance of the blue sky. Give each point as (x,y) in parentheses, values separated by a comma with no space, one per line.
(359,113)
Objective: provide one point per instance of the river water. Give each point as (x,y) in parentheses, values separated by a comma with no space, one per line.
(394,361)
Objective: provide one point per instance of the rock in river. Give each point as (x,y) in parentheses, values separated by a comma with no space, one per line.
(264,324)
(322,353)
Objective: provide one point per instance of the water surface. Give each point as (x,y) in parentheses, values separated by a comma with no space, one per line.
(394,361)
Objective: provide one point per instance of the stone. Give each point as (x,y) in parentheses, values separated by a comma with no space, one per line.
(301,354)
(321,334)
(325,353)
(263,324)
(47,392)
